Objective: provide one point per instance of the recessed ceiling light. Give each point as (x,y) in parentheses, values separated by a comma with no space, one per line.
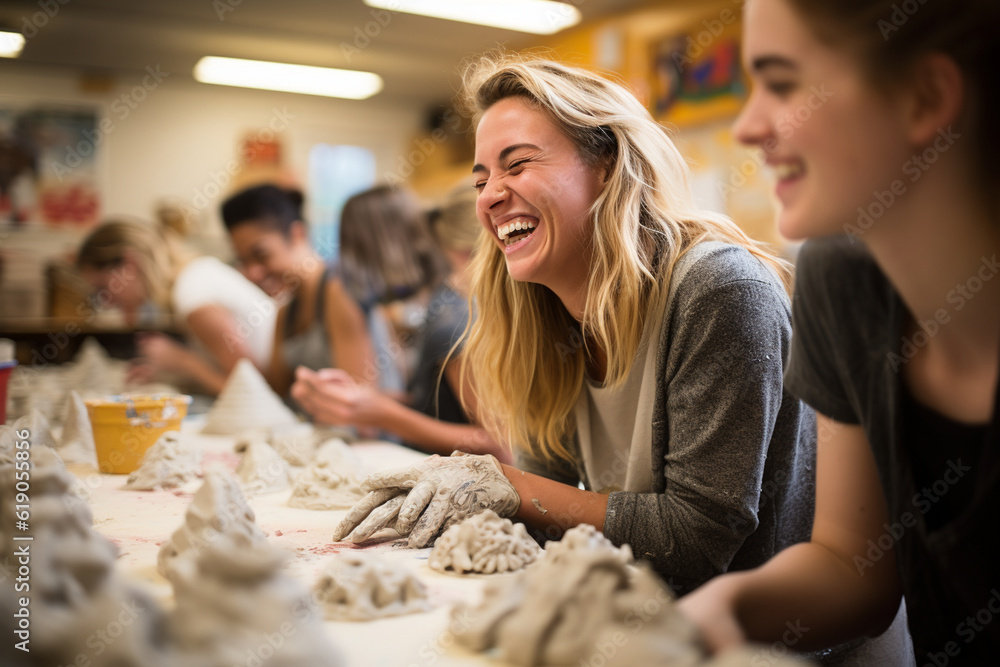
(542,17)
(11,44)
(349,84)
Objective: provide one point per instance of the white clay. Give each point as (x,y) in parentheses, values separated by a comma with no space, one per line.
(91,373)
(577,600)
(74,588)
(296,443)
(484,543)
(586,538)
(247,402)
(76,443)
(261,470)
(8,444)
(331,481)
(554,611)
(362,587)
(299,443)
(231,591)
(218,522)
(37,425)
(169,463)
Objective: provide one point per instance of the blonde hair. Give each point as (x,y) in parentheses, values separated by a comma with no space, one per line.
(526,353)
(158,253)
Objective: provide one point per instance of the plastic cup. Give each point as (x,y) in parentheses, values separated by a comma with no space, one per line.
(5,369)
(125,426)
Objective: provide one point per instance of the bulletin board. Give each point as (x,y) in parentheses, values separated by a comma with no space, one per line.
(48,166)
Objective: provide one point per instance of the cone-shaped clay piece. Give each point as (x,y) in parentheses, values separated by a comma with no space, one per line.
(332,480)
(246,402)
(232,595)
(37,426)
(77,442)
(166,465)
(219,529)
(261,470)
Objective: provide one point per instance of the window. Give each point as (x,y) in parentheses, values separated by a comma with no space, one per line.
(335,174)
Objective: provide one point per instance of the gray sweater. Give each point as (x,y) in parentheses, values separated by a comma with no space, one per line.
(732,453)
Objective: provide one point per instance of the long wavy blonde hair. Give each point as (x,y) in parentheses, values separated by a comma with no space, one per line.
(526,354)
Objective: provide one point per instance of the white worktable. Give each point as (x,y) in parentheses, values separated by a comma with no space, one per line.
(138,522)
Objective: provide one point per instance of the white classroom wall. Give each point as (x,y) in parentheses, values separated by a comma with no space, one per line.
(177,141)
(175,144)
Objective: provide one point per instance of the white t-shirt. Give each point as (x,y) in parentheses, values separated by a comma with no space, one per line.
(207,281)
(615,426)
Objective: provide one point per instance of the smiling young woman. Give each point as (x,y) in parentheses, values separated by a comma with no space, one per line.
(320,325)
(132,263)
(625,338)
(894,350)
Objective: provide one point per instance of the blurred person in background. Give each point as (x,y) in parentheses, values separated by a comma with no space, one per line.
(319,324)
(431,416)
(225,317)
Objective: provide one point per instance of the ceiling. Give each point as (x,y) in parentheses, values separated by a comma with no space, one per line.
(417,57)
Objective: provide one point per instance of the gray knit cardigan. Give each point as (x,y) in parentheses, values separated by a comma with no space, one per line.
(732,454)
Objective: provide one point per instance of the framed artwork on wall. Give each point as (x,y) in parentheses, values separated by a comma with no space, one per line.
(697,77)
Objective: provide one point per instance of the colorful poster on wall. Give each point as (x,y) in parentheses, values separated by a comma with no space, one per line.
(48,166)
(697,76)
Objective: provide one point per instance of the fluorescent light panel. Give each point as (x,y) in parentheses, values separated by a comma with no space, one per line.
(541,17)
(11,44)
(349,84)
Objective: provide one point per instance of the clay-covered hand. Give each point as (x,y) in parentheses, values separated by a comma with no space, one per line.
(428,497)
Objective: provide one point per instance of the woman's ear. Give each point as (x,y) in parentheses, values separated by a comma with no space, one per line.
(605,168)
(935,97)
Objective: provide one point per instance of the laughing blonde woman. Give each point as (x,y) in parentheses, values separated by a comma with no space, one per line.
(625,338)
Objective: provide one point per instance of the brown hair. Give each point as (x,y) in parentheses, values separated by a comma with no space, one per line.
(889,35)
(386,248)
(454,223)
(158,253)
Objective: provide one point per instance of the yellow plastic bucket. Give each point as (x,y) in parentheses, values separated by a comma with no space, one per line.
(125,426)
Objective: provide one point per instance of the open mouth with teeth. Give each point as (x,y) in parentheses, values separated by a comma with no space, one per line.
(788,171)
(513,232)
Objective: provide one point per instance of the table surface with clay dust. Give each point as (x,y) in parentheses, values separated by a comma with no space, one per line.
(139,522)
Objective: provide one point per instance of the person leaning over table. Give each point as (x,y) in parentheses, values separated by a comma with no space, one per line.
(897,324)
(220,311)
(432,417)
(319,323)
